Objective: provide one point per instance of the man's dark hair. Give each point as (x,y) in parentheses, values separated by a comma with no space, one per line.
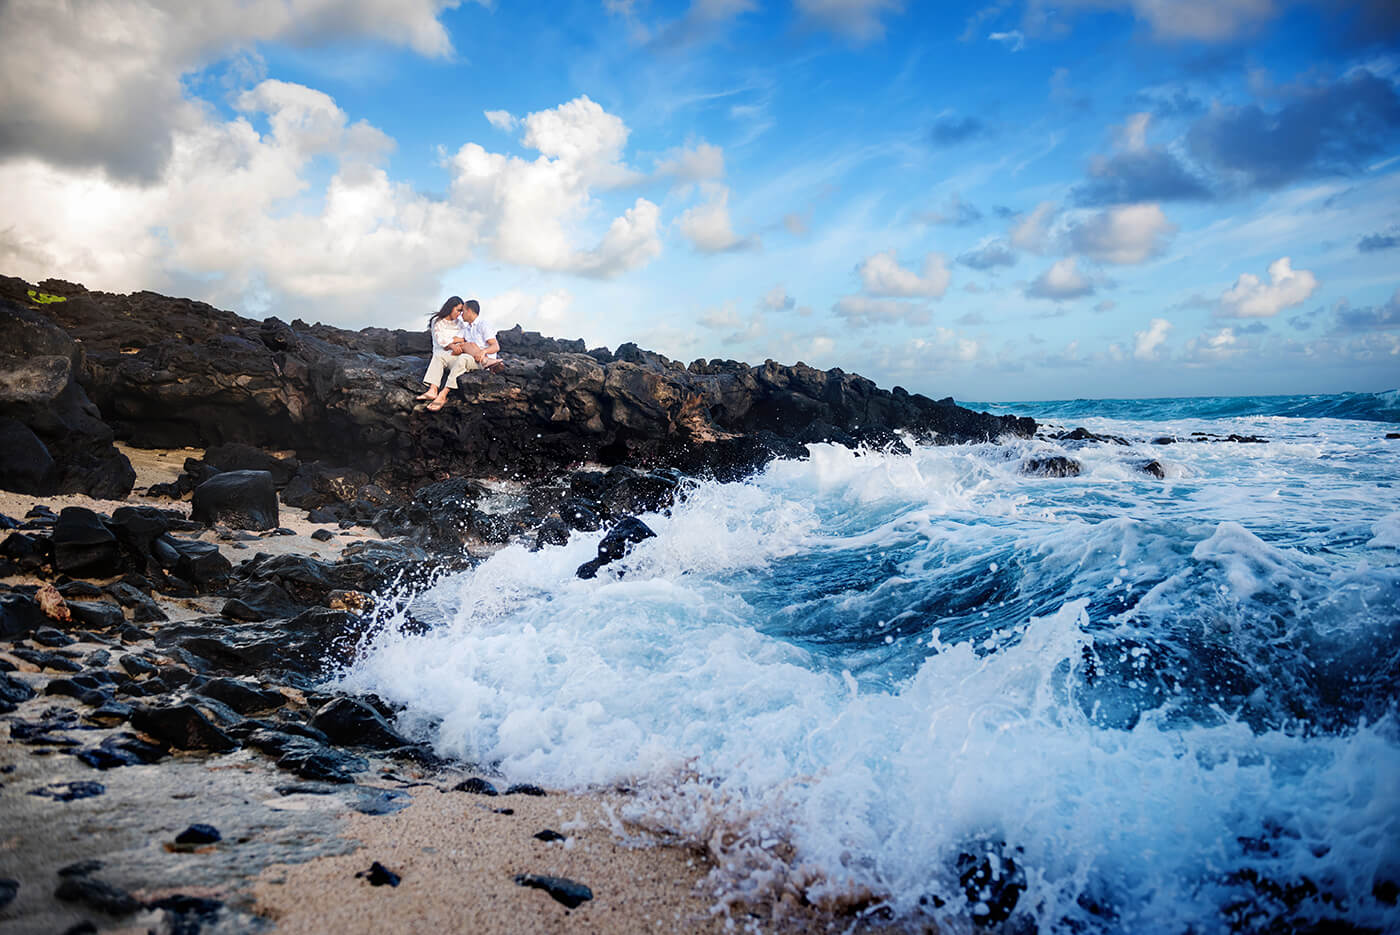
(474,305)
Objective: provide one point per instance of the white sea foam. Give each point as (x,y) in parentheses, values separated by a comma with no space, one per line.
(846,672)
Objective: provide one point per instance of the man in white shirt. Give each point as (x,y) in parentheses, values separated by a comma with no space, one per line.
(479,340)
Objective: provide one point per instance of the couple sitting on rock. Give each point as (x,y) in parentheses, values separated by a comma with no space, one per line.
(462,341)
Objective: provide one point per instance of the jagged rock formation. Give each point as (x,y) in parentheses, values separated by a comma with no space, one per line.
(52,438)
(168,372)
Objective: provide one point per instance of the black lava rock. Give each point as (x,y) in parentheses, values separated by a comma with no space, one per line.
(100,758)
(83,546)
(69,791)
(581,514)
(19,616)
(551,532)
(548,835)
(1053,466)
(347,721)
(9,889)
(243,697)
(123,749)
(564,890)
(525,788)
(379,875)
(308,758)
(238,499)
(110,713)
(136,528)
(98,615)
(199,834)
(200,563)
(617,543)
(28,552)
(48,636)
(137,666)
(476,786)
(182,726)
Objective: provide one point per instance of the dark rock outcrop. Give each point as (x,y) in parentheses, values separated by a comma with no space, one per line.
(52,437)
(238,499)
(182,726)
(170,372)
(617,543)
(347,721)
(1052,466)
(83,545)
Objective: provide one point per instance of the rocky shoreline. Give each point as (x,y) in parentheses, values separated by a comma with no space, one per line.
(164,653)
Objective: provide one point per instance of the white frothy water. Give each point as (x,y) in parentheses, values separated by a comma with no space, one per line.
(1170,702)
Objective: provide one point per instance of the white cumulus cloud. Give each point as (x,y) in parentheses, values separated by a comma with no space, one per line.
(708,228)
(1212,348)
(530,212)
(1250,297)
(1125,234)
(234,215)
(882,276)
(700,163)
(1146,343)
(99,83)
(501,119)
(1063,280)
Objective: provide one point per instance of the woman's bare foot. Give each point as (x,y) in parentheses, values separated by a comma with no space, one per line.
(431,394)
(438,402)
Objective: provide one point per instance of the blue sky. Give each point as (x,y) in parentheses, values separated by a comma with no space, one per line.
(1005,200)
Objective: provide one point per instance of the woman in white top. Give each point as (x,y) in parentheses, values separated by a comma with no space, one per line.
(449,357)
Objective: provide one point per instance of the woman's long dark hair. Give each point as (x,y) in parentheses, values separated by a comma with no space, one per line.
(452,302)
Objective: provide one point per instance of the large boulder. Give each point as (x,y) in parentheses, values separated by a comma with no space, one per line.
(83,546)
(52,438)
(238,499)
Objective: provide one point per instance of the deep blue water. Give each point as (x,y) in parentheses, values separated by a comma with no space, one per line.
(1170,702)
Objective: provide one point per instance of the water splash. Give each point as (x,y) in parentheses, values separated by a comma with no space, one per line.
(1159,705)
